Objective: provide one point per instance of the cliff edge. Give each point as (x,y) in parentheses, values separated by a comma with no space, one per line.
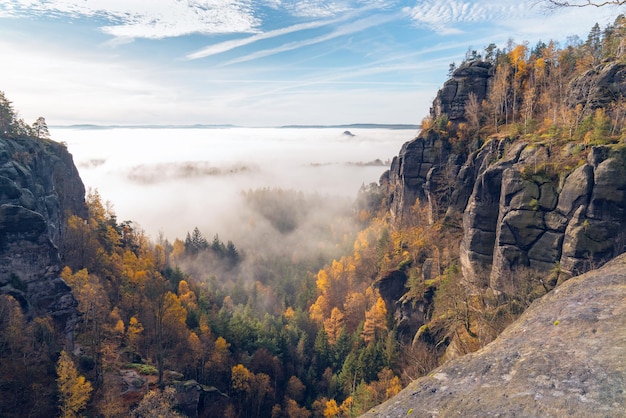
(563,357)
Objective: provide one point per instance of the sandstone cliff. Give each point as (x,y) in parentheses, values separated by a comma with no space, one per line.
(520,202)
(472,77)
(562,358)
(39,188)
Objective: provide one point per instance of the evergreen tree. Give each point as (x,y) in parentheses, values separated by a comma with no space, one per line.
(232,254)
(7,115)
(217,246)
(40,128)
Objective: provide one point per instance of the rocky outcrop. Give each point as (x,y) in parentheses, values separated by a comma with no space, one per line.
(519,211)
(472,77)
(562,357)
(520,214)
(422,164)
(598,87)
(516,209)
(39,188)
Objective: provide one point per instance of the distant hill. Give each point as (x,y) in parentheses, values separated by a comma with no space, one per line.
(99,127)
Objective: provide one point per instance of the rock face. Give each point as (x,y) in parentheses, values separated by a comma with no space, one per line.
(421,163)
(39,188)
(472,77)
(520,214)
(599,86)
(562,357)
(515,210)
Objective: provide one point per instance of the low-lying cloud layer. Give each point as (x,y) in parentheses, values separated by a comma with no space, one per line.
(172,180)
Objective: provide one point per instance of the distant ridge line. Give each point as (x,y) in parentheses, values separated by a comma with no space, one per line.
(228,126)
(358,126)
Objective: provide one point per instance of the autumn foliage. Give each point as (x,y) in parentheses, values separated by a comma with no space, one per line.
(304,334)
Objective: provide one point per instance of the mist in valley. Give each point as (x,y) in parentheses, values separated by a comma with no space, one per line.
(275,194)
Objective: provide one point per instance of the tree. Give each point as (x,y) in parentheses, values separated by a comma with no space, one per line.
(40,128)
(593,46)
(295,389)
(167,318)
(498,96)
(195,242)
(232,254)
(93,304)
(7,115)
(472,112)
(451,69)
(334,325)
(375,321)
(74,390)
(157,403)
(551,4)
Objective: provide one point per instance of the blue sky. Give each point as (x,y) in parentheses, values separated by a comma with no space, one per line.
(253,62)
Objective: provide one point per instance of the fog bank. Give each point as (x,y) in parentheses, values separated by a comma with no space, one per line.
(171,180)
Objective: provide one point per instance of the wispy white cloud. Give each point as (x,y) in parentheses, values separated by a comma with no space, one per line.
(316,8)
(236,43)
(347,29)
(443,16)
(343,13)
(146,18)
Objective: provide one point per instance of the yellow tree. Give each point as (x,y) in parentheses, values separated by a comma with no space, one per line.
(74,390)
(334,325)
(498,95)
(354,306)
(178,251)
(520,69)
(240,382)
(318,310)
(80,245)
(93,304)
(375,321)
(166,318)
(331,409)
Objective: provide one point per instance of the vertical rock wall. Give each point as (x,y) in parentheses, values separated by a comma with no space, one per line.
(39,188)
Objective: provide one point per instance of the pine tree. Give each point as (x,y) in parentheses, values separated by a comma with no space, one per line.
(40,128)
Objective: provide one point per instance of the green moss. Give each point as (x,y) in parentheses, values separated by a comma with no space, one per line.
(146,369)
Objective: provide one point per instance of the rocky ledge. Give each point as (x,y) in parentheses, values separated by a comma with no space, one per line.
(564,357)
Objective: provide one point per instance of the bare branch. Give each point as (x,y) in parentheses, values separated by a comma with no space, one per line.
(580,3)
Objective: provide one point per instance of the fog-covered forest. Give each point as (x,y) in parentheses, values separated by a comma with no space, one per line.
(286,320)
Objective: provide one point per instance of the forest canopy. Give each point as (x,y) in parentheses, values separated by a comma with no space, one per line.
(302,332)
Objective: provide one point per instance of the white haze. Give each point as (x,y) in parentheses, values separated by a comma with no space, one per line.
(169,181)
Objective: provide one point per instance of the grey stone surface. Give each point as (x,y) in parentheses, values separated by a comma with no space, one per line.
(564,357)
(39,188)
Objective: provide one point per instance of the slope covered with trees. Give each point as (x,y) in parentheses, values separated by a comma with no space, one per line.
(212,328)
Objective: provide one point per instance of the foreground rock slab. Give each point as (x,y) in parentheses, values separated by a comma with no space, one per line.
(564,357)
